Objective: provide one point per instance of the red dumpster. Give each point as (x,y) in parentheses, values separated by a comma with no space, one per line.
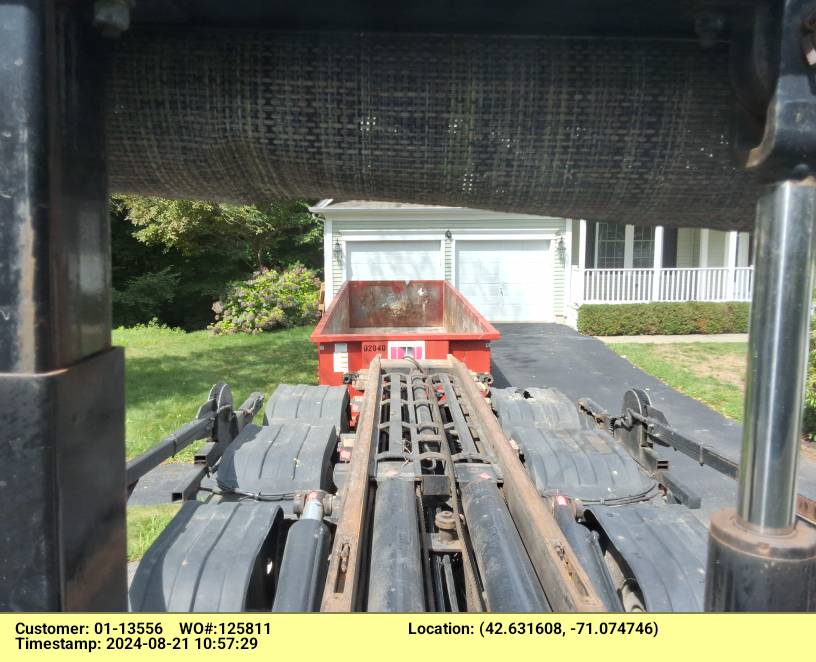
(423,319)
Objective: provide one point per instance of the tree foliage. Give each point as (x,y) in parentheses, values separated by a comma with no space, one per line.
(173,258)
(272,234)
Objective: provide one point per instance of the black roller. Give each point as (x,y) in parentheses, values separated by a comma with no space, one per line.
(212,557)
(510,583)
(585,545)
(627,131)
(395,577)
(303,568)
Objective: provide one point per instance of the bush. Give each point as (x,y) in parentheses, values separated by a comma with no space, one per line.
(142,297)
(206,246)
(268,300)
(809,416)
(637,319)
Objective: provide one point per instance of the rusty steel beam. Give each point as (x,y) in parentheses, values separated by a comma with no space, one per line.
(341,590)
(565,582)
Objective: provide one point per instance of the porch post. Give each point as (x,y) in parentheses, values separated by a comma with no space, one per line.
(568,262)
(703,277)
(582,239)
(657,262)
(628,246)
(731,263)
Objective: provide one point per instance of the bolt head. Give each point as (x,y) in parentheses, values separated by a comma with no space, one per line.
(445,520)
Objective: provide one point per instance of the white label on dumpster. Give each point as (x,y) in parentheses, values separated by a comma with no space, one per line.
(400,349)
(340,357)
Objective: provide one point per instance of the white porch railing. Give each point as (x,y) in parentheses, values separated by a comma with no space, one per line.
(642,285)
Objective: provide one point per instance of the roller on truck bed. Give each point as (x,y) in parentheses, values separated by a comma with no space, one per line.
(438,494)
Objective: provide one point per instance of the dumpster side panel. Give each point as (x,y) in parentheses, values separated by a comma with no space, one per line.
(475,354)
(398,319)
(395,303)
(337,358)
(334,359)
(462,317)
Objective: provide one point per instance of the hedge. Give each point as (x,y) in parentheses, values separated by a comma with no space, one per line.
(648,319)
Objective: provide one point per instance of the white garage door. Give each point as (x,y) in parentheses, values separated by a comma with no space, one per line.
(507,281)
(394,260)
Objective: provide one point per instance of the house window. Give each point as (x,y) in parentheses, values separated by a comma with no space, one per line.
(611,246)
(643,248)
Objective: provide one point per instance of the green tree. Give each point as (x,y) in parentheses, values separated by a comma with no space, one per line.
(272,234)
(173,258)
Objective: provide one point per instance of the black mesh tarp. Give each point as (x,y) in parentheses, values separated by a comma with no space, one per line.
(616,130)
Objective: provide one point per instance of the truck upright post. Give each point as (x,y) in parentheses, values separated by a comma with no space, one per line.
(760,558)
(62,545)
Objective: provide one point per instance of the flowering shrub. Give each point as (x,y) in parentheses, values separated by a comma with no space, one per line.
(268,300)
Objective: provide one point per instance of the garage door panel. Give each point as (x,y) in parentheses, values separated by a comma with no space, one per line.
(482,289)
(496,293)
(508,269)
(394,260)
(512,275)
(476,273)
(387,257)
(506,280)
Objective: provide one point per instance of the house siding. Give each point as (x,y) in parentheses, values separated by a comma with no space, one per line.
(716,248)
(338,270)
(507,225)
(558,280)
(447,247)
(687,251)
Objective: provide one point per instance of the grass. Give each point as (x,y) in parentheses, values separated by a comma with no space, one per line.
(169,373)
(713,373)
(168,376)
(144,524)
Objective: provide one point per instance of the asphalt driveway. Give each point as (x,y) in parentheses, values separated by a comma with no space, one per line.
(580,366)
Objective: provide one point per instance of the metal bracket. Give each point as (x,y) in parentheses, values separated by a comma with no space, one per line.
(215,420)
(632,430)
(776,83)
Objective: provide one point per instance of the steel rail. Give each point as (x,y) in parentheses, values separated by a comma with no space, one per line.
(562,577)
(342,581)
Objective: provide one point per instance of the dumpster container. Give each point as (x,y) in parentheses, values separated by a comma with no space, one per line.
(423,319)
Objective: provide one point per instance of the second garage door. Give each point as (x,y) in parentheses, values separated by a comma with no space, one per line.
(394,260)
(507,281)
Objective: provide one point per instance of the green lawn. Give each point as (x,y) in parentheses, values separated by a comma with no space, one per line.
(713,373)
(170,372)
(144,524)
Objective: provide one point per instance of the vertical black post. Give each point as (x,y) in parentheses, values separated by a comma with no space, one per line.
(62,501)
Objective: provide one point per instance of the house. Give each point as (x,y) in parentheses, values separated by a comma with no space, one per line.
(523,268)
